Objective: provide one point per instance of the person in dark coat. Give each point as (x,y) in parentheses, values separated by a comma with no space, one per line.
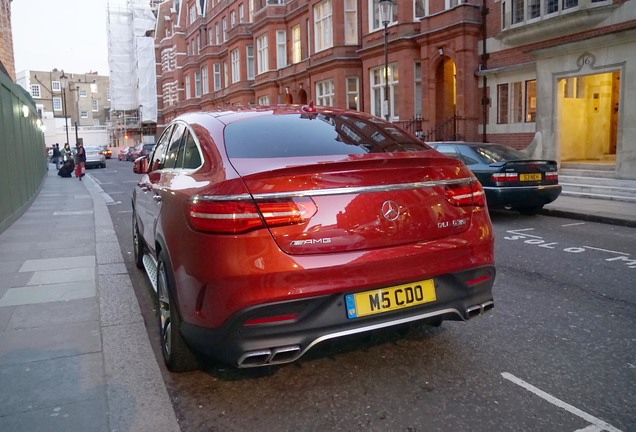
(67,169)
(80,157)
(56,155)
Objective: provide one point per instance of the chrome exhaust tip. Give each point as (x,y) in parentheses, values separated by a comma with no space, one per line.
(266,357)
(480,309)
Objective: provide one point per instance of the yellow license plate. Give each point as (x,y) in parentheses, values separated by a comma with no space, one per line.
(530,177)
(389,299)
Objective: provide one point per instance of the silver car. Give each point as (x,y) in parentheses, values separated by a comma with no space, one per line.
(95,156)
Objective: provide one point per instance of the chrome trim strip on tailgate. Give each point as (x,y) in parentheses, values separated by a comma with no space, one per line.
(335,191)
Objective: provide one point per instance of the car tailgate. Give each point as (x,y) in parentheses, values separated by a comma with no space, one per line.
(362,202)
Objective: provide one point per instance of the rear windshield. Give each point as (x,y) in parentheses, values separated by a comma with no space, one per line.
(498,153)
(311,134)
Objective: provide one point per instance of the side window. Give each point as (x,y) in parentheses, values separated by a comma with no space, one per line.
(172,155)
(156,160)
(467,157)
(191,155)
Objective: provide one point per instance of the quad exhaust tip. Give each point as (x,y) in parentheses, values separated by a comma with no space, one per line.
(269,356)
(480,309)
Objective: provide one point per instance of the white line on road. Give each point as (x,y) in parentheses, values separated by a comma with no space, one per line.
(558,402)
(590,428)
(573,224)
(125,211)
(605,250)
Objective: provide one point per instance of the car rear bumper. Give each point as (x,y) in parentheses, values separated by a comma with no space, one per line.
(522,196)
(459,296)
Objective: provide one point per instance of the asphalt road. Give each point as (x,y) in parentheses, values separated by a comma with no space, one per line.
(558,352)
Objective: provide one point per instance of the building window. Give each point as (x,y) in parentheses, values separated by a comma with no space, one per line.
(261,54)
(94,88)
(217,76)
(224,22)
(82,93)
(217,33)
(374,18)
(296,46)
(57,103)
(241,13)
(378,100)
(324,93)
(323,31)
(250,10)
(205,88)
(419,7)
(516,103)
(95,105)
(232,19)
(193,13)
(236,66)
(523,10)
(281,49)
(351,22)
(225,75)
(35,90)
(187,87)
(417,105)
(197,84)
(531,101)
(56,86)
(502,103)
(198,47)
(249,51)
(84,114)
(263,100)
(353,93)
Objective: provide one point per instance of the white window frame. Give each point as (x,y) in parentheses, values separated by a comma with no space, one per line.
(296,45)
(250,10)
(323,26)
(224,25)
(424,4)
(83,93)
(236,65)
(56,86)
(241,13)
(374,16)
(325,92)
(95,105)
(84,114)
(193,13)
(281,49)
(217,33)
(36,91)
(57,103)
(197,84)
(263,100)
(188,93)
(205,86)
(351,22)
(217,76)
(353,94)
(377,88)
(262,64)
(232,19)
(249,55)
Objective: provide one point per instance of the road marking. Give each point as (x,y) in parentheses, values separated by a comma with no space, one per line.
(573,224)
(125,211)
(590,428)
(605,250)
(558,402)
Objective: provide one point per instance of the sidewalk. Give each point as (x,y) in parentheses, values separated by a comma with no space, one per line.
(74,352)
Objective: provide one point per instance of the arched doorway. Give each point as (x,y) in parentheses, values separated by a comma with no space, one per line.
(446,100)
(588,119)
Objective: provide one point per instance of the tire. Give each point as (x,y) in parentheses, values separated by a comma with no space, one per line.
(530,211)
(177,356)
(138,243)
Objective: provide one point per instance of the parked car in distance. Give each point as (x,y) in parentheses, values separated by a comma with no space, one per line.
(140,150)
(123,153)
(108,153)
(267,230)
(510,178)
(95,156)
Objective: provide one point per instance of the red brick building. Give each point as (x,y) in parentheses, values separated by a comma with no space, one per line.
(552,74)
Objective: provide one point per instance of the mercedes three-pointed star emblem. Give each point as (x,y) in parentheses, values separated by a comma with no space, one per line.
(390,210)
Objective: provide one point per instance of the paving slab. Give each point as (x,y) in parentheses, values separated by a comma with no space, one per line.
(52,314)
(58,263)
(48,293)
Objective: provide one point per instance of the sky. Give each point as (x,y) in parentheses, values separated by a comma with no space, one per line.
(62,34)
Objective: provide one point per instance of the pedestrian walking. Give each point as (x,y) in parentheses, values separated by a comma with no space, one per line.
(56,156)
(80,162)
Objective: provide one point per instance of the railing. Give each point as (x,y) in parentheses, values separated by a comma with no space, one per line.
(444,131)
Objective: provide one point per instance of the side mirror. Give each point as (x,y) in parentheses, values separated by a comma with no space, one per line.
(140,165)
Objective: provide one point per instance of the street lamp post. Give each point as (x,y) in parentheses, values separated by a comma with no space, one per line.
(64,81)
(386,16)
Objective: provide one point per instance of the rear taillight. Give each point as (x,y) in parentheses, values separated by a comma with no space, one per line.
(223,216)
(552,176)
(504,177)
(465,194)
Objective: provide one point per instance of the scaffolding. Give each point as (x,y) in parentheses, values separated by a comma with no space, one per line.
(131,60)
